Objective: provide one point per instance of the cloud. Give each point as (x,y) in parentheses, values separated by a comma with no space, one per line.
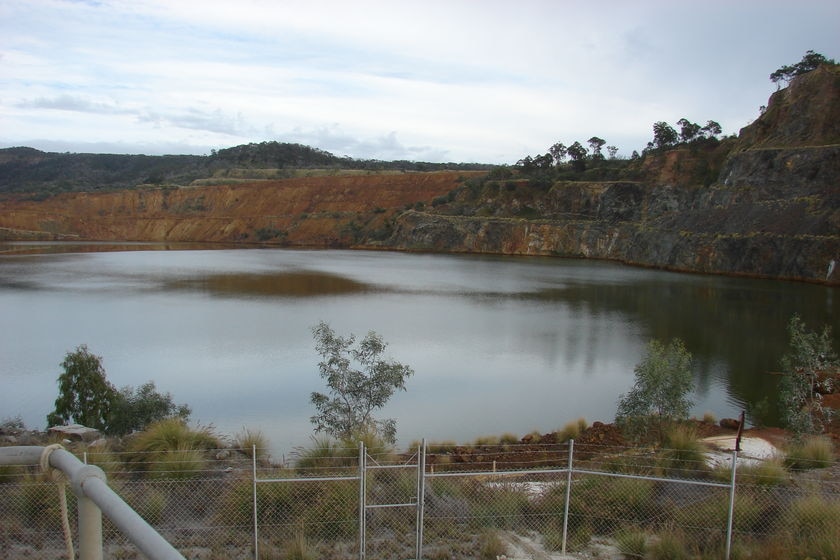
(68,102)
(489,81)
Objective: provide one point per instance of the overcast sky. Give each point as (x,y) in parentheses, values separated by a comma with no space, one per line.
(479,81)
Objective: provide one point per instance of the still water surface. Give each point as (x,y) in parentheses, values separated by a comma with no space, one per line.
(498,344)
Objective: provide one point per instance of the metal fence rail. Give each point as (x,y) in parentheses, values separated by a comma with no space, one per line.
(523,502)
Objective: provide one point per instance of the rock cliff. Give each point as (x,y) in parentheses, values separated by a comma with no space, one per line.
(773,211)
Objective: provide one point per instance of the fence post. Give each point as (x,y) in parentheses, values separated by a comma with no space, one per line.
(362,492)
(568,495)
(731,505)
(90,529)
(421,496)
(256,522)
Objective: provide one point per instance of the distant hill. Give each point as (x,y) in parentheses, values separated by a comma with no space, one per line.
(27,170)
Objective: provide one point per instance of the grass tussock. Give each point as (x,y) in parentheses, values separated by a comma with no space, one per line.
(771,472)
(571,430)
(247,441)
(173,434)
(812,453)
(328,456)
(491,546)
(631,543)
(682,449)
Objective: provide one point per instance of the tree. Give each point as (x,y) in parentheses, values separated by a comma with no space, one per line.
(810,61)
(688,130)
(712,129)
(84,394)
(612,150)
(134,409)
(809,368)
(355,392)
(663,135)
(558,152)
(660,392)
(596,144)
(577,153)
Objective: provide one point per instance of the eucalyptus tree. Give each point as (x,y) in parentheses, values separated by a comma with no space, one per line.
(359,381)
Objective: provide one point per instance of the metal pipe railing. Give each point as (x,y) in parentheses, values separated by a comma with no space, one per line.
(90,486)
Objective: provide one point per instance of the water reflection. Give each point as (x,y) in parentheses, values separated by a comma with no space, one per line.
(282,284)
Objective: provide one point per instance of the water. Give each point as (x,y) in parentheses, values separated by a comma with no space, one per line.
(498,344)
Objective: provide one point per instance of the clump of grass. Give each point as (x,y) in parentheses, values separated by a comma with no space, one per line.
(324,456)
(709,418)
(631,543)
(248,440)
(491,546)
(572,430)
(771,472)
(667,546)
(682,449)
(178,464)
(533,437)
(812,522)
(152,506)
(172,434)
(509,439)
(812,453)
(486,441)
(299,548)
(171,449)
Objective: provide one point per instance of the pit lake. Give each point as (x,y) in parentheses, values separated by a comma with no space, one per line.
(498,344)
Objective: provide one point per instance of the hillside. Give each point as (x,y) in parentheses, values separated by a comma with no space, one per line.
(765,204)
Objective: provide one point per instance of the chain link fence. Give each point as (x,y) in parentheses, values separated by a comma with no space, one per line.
(450,503)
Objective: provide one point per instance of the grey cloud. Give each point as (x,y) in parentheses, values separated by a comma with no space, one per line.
(387,147)
(196,119)
(74,103)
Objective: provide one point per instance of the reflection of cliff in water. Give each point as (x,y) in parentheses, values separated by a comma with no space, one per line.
(282,284)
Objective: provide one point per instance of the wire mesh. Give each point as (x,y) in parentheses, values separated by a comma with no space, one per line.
(485,501)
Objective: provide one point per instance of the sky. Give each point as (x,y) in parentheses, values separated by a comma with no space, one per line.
(443,81)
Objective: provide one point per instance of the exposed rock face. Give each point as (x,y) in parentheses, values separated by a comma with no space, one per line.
(774,210)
